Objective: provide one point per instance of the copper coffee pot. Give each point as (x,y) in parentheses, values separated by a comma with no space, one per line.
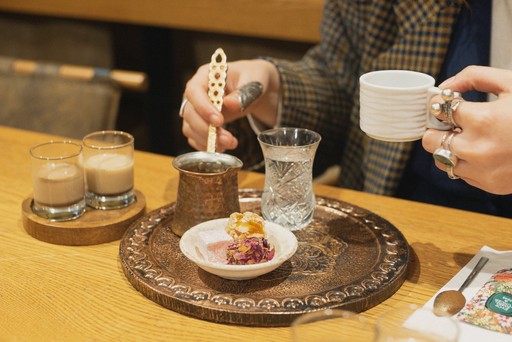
(207,189)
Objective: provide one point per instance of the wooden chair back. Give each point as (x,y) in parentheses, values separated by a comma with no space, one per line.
(67,100)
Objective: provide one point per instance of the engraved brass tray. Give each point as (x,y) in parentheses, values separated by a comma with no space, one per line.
(348,258)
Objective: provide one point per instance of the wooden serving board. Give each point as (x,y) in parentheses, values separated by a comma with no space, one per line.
(92,228)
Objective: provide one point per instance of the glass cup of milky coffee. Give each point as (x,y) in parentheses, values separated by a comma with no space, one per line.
(394,105)
(58,180)
(108,164)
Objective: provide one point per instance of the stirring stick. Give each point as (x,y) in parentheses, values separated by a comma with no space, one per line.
(216,84)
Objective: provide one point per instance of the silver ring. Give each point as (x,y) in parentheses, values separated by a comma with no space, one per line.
(452,100)
(182,107)
(443,154)
(449,141)
(447,94)
(436,109)
(448,112)
(453,107)
(445,157)
(449,108)
(449,172)
(248,93)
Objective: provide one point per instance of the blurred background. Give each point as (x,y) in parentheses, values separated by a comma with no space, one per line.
(168,55)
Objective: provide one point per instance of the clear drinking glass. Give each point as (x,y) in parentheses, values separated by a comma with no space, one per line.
(415,324)
(108,162)
(58,180)
(288,198)
(332,326)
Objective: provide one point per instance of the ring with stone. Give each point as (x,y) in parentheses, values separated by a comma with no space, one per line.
(182,107)
(443,154)
(445,157)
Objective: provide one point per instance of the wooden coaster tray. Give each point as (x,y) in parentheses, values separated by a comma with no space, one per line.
(348,258)
(92,228)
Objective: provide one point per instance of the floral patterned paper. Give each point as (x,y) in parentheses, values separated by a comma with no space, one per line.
(481,311)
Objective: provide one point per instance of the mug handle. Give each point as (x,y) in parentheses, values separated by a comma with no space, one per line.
(432,121)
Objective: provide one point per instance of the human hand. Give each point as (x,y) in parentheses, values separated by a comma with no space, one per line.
(198,113)
(484,145)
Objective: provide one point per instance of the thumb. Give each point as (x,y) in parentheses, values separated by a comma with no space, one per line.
(238,101)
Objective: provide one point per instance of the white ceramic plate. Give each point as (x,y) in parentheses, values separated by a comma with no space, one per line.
(284,242)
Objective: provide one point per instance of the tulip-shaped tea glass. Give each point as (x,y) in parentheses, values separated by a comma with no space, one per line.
(58,180)
(108,162)
(288,198)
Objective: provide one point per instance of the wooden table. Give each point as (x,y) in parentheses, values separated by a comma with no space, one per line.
(278,19)
(61,293)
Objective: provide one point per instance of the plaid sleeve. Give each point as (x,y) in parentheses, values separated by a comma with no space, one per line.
(318,91)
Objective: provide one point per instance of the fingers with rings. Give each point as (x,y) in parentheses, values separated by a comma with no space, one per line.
(445,156)
(449,168)
(452,100)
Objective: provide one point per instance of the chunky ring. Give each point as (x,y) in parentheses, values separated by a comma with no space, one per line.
(445,157)
(248,93)
(447,94)
(443,154)
(448,112)
(182,107)
(451,107)
(452,100)
(455,104)
(436,109)
(449,172)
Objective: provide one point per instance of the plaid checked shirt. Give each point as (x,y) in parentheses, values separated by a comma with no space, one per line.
(321,92)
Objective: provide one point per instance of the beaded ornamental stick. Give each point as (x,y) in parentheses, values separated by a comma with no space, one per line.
(216,83)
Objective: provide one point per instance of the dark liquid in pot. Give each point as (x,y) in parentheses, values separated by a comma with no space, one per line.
(206,167)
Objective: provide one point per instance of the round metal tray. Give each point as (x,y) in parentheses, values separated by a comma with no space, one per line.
(348,258)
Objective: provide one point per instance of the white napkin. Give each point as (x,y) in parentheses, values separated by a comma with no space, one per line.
(498,260)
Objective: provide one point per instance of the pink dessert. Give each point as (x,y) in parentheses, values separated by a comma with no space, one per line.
(243,242)
(214,243)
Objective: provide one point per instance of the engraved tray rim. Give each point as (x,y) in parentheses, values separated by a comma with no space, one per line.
(160,286)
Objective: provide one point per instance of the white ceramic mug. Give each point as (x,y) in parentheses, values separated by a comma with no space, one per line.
(394,105)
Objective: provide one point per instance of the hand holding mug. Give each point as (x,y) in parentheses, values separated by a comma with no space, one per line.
(483,145)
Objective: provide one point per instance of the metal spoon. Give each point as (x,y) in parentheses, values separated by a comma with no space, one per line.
(448,303)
